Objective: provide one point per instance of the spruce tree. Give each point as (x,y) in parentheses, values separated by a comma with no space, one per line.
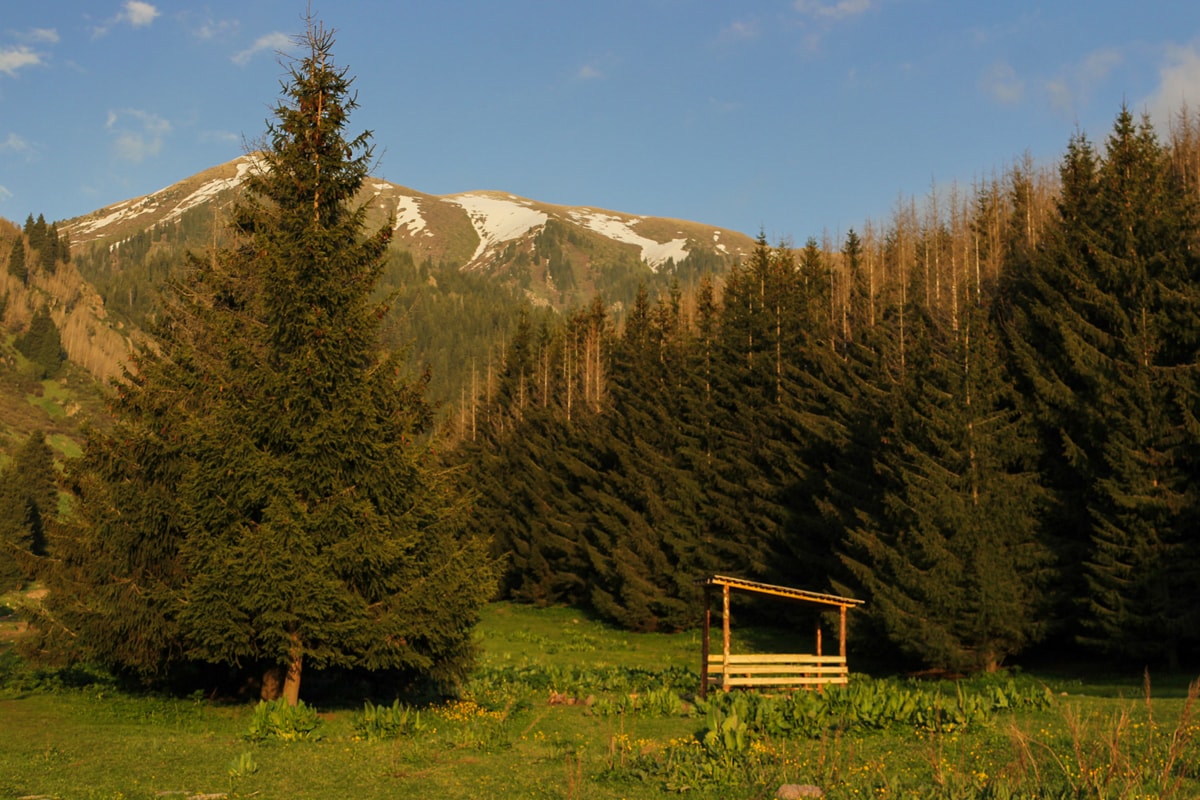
(307,523)
(16,261)
(952,558)
(28,503)
(39,484)
(14,535)
(42,344)
(1104,334)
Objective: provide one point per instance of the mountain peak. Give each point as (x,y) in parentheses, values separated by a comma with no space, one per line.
(556,255)
(496,219)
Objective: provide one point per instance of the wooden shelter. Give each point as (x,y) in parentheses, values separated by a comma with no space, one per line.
(726,669)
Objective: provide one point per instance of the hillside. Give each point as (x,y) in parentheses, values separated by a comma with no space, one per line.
(94,346)
(557,255)
(464,268)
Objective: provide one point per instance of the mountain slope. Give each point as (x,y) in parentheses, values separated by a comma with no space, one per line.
(557,255)
(463,268)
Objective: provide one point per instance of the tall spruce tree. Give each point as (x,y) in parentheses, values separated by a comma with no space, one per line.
(1104,333)
(42,344)
(14,532)
(16,261)
(953,559)
(28,503)
(301,519)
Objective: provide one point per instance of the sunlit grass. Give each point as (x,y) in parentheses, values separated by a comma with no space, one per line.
(550,715)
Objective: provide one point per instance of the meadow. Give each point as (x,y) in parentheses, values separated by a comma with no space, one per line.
(564,708)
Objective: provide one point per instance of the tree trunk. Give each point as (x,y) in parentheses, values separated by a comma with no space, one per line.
(291,684)
(272,683)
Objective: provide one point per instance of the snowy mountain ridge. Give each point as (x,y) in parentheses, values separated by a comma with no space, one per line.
(496,218)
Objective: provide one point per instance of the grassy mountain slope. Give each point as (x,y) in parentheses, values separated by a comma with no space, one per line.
(95,346)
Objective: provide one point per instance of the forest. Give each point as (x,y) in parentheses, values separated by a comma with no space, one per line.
(980,417)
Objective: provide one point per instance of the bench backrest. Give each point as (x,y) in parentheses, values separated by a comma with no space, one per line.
(777,669)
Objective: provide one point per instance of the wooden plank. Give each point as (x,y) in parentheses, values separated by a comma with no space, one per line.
(725,625)
(842,631)
(798,675)
(778,669)
(826,681)
(775,658)
(704,644)
(781,591)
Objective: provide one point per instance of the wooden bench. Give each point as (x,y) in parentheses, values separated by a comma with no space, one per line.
(776,669)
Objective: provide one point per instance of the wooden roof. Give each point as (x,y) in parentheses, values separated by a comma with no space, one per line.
(781,591)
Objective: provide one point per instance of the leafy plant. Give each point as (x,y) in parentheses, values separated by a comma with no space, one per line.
(375,723)
(663,702)
(243,766)
(581,680)
(727,736)
(276,719)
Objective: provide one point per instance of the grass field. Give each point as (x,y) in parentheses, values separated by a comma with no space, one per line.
(564,707)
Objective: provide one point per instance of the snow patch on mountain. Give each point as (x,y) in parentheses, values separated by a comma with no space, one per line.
(115,214)
(718,245)
(614,227)
(150,204)
(214,187)
(408,215)
(498,218)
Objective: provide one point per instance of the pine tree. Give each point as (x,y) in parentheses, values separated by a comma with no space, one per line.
(16,261)
(42,344)
(743,508)
(953,560)
(48,255)
(14,534)
(1105,337)
(306,521)
(35,469)
(28,503)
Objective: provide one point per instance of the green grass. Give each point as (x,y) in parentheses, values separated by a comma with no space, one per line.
(515,635)
(524,729)
(58,407)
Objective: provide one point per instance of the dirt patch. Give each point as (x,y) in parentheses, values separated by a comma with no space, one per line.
(12,630)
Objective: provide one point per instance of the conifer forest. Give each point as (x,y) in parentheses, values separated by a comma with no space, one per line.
(981,417)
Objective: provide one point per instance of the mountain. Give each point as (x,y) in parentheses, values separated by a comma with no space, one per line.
(463,269)
(95,345)
(556,255)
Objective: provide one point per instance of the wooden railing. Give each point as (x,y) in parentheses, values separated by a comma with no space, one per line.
(776,669)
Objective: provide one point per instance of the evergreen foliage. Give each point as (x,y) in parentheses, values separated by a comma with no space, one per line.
(42,344)
(981,419)
(269,498)
(45,240)
(1105,335)
(16,261)
(982,422)
(28,503)
(952,557)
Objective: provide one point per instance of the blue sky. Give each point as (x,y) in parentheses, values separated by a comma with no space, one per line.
(794,116)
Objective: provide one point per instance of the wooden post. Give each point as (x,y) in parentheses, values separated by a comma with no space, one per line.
(842,631)
(725,626)
(704,642)
(818,637)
